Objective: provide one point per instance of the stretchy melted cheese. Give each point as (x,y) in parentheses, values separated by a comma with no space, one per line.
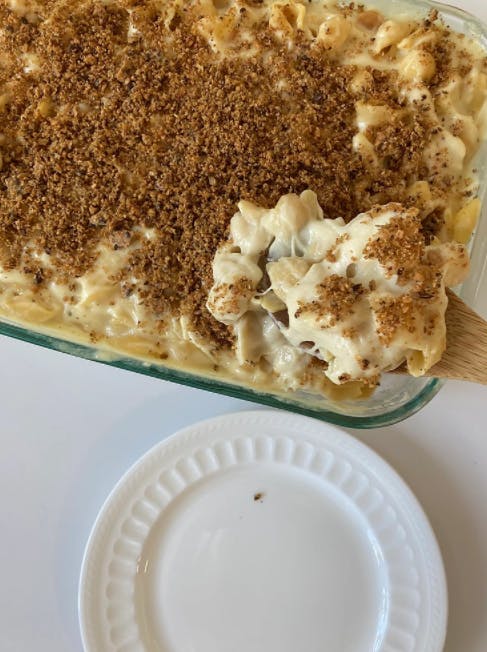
(363,296)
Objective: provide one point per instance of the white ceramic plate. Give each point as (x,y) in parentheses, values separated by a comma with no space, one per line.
(262,532)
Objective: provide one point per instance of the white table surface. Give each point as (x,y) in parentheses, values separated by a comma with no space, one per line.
(70,428)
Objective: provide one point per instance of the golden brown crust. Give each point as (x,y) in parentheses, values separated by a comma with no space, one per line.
(114,133)
(399,244)
(392,314)
(336,299)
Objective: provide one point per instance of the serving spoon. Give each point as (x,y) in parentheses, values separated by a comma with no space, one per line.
(465,357)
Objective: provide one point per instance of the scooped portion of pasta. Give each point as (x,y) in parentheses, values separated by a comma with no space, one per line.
(362,297)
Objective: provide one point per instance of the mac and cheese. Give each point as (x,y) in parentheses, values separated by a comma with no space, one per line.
(130,131)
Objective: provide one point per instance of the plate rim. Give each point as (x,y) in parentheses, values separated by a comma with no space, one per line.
(320,434)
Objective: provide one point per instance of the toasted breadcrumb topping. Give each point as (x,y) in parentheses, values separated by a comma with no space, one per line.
(115,130)
(392,313)
(399,244)
(335,300)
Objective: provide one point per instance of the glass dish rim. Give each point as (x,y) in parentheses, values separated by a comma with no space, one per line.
(155,370)
(191,379)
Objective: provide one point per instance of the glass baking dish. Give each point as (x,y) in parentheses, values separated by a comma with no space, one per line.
(398,396)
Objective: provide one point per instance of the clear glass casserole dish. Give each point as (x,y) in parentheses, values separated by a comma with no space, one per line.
(398,396)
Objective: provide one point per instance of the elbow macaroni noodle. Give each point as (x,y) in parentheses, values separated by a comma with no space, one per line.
(307,351)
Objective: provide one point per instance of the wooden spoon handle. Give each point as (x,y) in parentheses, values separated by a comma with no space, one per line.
(465,357)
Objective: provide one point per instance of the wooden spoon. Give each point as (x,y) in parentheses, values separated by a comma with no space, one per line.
(465,357)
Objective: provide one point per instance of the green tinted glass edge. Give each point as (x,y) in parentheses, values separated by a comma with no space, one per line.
(208,384)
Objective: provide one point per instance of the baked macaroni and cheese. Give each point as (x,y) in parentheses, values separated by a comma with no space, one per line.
(274,193)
